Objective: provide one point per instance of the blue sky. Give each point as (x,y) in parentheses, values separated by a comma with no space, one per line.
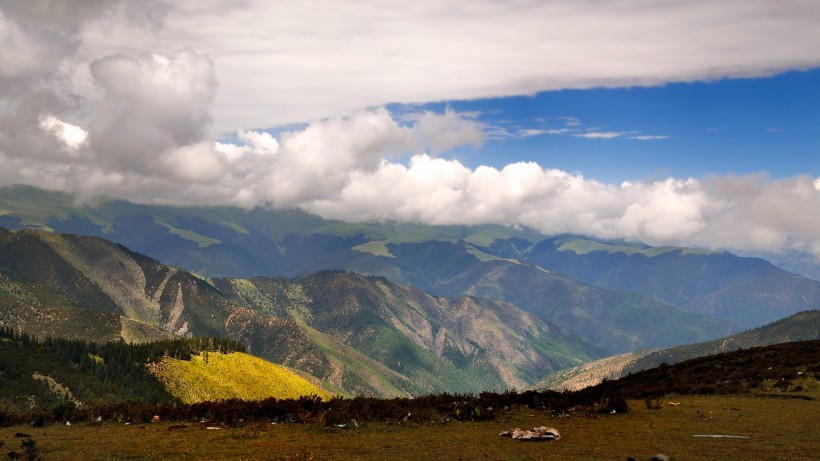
(672,122)
(728,126)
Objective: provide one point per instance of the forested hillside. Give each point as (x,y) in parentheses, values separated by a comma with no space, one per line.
(47,373)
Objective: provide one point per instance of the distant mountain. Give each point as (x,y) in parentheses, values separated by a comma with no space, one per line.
(803,326)
(746,291)
(359,335)
(449,261)
(436,343)
(804,264)
(614,321)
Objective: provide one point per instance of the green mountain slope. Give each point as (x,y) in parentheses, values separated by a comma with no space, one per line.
(430,344)
(66,374)
(631,295)
(445,260)
(359,335)
(803,326)
(778,370)
(614,321)
(747,291)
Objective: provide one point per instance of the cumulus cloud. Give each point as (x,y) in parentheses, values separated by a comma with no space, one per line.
(741,213)
(154,104)
(40,113)
(350,168)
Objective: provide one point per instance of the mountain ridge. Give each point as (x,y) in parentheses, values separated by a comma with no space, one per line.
(231,242)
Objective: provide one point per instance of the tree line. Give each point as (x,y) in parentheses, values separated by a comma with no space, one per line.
(96,374)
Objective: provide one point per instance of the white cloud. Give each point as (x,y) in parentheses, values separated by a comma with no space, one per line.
(649,137)
(153,105)
(284,63)
(344,168)
(150,116)
(260,141)
(599,134)
(71,135)
(441,132)
(746,213)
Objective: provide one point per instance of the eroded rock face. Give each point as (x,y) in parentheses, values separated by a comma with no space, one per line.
(536,433)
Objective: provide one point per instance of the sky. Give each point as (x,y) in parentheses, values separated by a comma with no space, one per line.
(685,122)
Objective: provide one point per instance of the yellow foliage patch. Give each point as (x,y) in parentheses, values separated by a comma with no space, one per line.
(214,376)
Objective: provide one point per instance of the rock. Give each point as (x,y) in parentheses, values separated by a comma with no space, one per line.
(660,457)
(536,433)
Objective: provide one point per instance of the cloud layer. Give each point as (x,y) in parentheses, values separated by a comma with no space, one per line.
(84,111)
(286,62)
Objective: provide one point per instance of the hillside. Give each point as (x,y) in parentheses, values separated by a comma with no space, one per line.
(804,326)
(433,343)
(357,335)
(63,375)
(784,367)
(214,376)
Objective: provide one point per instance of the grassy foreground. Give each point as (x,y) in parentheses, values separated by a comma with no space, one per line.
(778,428)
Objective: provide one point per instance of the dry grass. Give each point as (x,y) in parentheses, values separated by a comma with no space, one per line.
(777,429)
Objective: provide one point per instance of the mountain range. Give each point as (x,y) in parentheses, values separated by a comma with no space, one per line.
(358,334)
(383,309)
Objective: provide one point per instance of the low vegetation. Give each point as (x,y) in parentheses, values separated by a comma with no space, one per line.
(211,376)
(803,326)
(766,397)
(777,429)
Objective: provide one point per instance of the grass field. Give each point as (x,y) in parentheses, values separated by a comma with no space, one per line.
(777,429)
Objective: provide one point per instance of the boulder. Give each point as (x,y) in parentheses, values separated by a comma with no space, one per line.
(534,434)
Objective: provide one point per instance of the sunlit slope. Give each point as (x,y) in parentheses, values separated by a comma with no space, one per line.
(214,376)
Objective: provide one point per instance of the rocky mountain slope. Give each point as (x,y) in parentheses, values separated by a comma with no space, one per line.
(358,335)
